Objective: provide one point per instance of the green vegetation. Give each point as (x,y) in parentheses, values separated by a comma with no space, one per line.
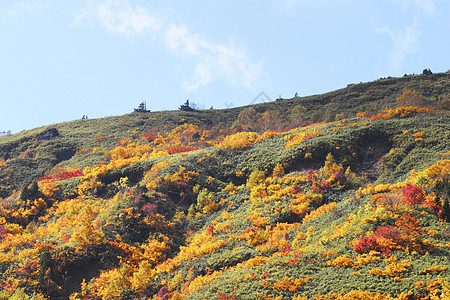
(337,196)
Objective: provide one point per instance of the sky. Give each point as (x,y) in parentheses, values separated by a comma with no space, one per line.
(61,59)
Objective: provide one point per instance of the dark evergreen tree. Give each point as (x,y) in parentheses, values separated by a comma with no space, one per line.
(24,194)
(442,187)
(437,201)
(31,192)
(186,106)
(445,215)
(142,107)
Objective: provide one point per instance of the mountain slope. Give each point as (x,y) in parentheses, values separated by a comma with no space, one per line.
(174,205)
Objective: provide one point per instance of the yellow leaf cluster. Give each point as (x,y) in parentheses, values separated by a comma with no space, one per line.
(48,189)
(392,269)
(299,205)
(342,261)
(319,211)
(255,261)
(434,269)
(200,281)
(294,138)
(287,284)
(238,140)
(257,220)
(200,245)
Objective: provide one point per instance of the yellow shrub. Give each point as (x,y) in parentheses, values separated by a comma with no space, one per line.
(434,269)
(49,189)
(392,269)
(255,178)
(257,220)
(342,261)
(255,261)
(87,234)
(110,284)
(319,211)
(278,171)
(238,140)
(301,137)
(286,284)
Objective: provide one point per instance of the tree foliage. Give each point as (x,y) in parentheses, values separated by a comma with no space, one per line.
(410,98)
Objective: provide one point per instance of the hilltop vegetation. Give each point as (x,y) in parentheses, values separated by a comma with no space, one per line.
(337,196)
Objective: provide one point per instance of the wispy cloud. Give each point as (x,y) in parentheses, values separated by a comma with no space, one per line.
(406,39)
(120,18)
(23,7)
(406,42)
(427,7)
(290,3)
(213,60)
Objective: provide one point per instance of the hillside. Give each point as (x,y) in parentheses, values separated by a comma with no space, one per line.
(343,195)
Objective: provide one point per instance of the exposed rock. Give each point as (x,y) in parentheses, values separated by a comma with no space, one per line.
(48,134)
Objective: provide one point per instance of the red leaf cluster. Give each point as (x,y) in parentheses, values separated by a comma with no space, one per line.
(388,232)
(149,136)
(366,245)
(164,293)
(412,194)
(62,175)
(181,149)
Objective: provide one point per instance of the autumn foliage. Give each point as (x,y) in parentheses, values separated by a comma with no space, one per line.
(412,194)
(261,209)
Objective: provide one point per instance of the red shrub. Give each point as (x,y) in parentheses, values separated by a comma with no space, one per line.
(311,175)
(148,136)
(181,149)
(339,176)
(366,245)
(2,232)
(62,175)
(388,232)
(164,293)
(412,194)
(148,208)
(297,189)
(224,296)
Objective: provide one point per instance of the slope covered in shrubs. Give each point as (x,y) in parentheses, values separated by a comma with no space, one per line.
(174,205)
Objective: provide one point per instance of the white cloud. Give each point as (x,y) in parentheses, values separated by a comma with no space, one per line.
(215,60)
(406,42)
(421,6)
(178,37)
(22,7)
(120,18)
(290,3)
(212,60)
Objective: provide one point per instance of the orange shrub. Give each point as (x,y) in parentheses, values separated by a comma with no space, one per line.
(402,112)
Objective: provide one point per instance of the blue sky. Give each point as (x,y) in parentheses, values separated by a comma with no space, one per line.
(60,60)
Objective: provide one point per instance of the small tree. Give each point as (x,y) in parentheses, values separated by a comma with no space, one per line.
(410,98)
(269,120)
(255,178)
(31,192)
(142,107)
(87,234)
(186,106)
(298,113)
(247,119)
